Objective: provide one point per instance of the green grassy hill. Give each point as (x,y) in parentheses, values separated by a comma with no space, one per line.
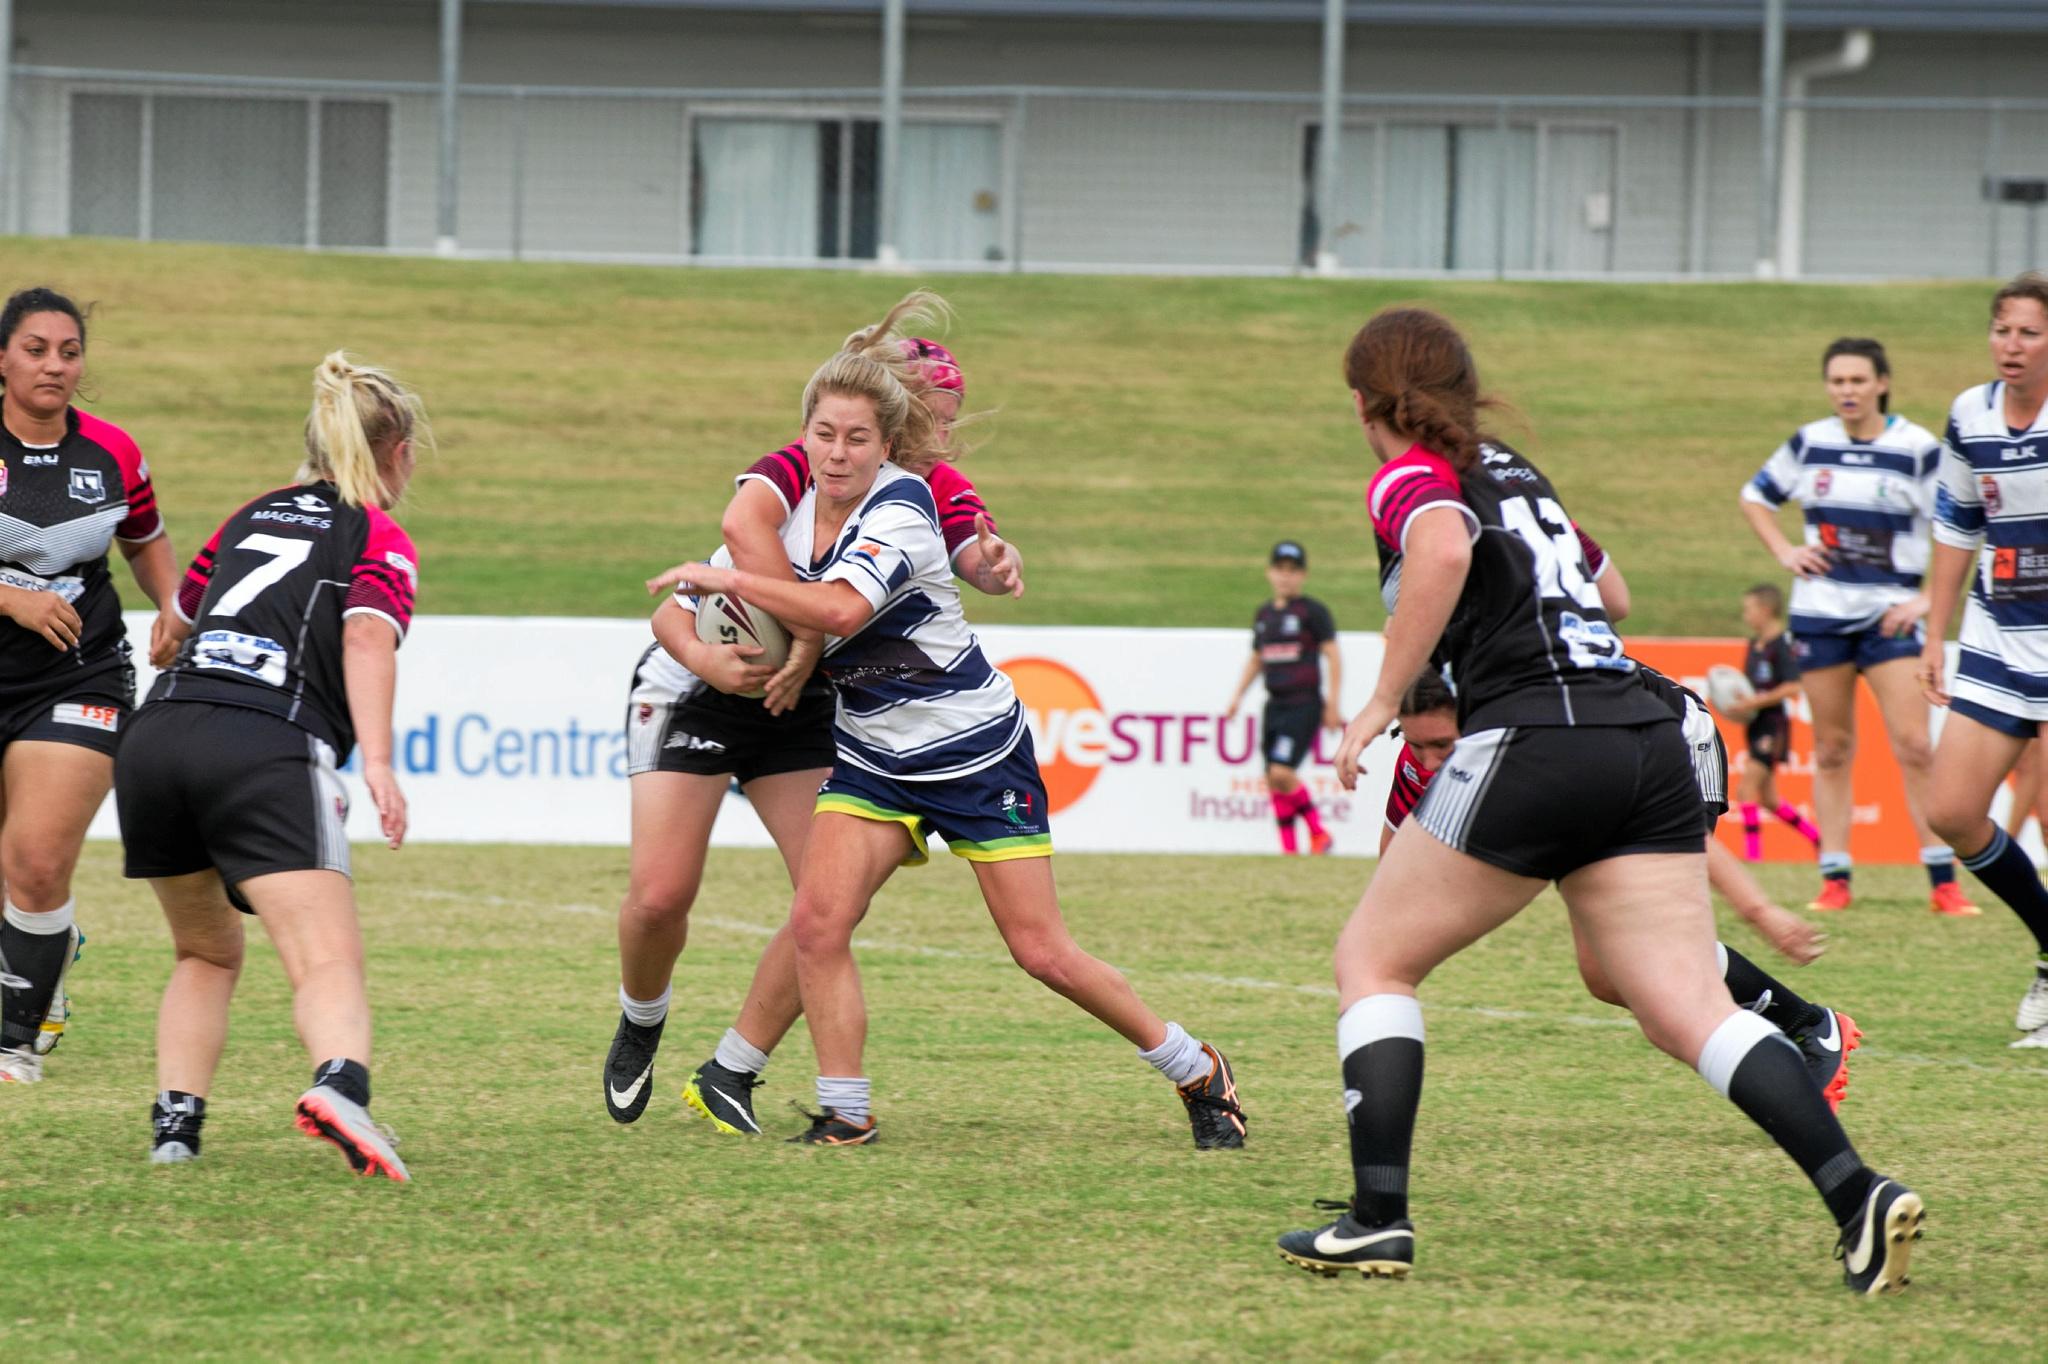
(1151,437)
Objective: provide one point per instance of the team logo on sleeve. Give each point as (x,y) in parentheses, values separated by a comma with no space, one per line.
(405,566)
(867,549)
(1987,492)
(88,486)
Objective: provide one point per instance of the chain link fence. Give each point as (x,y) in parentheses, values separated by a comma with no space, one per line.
(1041,178)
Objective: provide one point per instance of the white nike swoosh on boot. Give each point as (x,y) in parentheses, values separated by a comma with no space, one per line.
(1833,1040)
(623,1098)
(736,1107)
(1329,1243)
(1859,1254)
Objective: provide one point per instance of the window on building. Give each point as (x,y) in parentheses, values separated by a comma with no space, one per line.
(285,172)
(1465,196)
(806,189)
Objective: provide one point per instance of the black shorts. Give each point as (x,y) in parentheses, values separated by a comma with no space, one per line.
(1770,736)
(1546,801)
(243,791)
(87,711)
(712,734)
(1287,733)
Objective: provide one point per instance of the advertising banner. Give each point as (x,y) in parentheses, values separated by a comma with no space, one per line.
(512,730)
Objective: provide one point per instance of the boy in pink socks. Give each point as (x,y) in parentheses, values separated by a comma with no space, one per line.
(1293,640)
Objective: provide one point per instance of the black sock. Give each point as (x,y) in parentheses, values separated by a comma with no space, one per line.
(350,1079)
(1772,1085)
(38,959)
(1756,990)
(177,1116)
(2009,873)
(1382,1089)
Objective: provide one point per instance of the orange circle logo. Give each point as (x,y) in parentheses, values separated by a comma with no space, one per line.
(1068,727)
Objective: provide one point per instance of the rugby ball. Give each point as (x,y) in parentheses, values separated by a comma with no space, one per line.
(1727,687)
(723,619)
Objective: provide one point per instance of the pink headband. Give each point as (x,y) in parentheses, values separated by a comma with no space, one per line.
(935,363)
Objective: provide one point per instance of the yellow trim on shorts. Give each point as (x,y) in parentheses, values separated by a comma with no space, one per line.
(833,803)
(1004,849)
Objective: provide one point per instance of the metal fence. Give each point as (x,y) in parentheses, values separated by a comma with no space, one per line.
(1037,177)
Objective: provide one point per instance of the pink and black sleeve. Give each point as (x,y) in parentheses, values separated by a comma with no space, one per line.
(787,471)
(958,504)
(142,522)
(192,591)
(386,578)
(1404,488)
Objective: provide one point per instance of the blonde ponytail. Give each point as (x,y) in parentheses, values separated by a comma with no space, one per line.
(357,410)
(872,365)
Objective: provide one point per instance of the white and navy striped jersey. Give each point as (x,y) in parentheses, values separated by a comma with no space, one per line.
(1867,504)
(1994,500)
(917,700)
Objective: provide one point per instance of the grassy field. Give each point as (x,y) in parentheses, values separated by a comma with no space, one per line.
(1035,1195)
(1152,437)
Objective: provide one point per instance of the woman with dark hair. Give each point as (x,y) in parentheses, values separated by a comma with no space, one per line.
(1988,527)
(71,485)
(1864,479)
(1567,770)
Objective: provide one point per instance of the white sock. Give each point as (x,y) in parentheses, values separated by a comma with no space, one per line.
(846,1095)
(736,1053)
(1832,862)
(58,920)
(1179,1058)
(1728,1044)
(645,1012)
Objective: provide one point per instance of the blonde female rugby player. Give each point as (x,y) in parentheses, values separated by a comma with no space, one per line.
(694,726)
(930,738)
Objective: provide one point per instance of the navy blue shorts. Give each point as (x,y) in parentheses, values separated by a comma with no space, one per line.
(1865,648)
(2018,726)
(995,815)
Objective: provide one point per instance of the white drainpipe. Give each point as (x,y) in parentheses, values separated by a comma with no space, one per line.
(1853,56)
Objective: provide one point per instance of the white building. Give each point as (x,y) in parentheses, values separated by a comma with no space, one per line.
(1146,134)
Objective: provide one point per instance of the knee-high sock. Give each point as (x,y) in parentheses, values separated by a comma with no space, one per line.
(33,951)
(1761,993)
(1752,833)
(1283,814)
(1940,863)
(1305,806)
(1379,1040)
(1751,1063)
(1789,813)
(2005,868)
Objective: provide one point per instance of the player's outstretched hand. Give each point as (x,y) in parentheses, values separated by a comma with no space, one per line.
(389,800)
(1792,937)
(1933,672)
(1002,566)
(166,636)
(786,686)
(691,578)
(1368,725)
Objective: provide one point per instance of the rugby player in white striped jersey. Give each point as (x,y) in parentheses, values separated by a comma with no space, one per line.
(930,738)
(1864,479)
(1991,526)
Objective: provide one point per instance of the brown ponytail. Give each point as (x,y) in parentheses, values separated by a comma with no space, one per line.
(1416,376)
